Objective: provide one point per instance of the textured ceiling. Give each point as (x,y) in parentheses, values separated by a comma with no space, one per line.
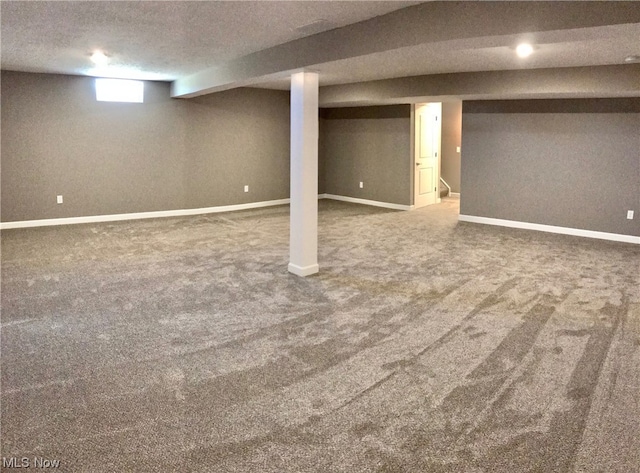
(586,47)
(161,40)
(211,45)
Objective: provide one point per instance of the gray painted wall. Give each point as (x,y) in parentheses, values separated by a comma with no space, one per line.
(322,153)
(369,144)
(235,138)
(451,139)
(111,158)
(104,158)
(577,170)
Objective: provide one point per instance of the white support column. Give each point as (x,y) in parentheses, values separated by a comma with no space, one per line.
(303,240)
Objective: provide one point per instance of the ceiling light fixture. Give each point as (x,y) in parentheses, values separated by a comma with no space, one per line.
(524,50)
(632,58)
(100,58)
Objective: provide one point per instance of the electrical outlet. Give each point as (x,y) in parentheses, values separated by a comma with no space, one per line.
(59,199)
(246,188)
(361,185)
(457,149)
(630,214)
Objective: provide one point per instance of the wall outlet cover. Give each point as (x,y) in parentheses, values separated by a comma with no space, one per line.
(630,214)
(361,185)
(246,188)
(59,199)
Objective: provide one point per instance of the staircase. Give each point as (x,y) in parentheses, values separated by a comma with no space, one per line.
(444,189)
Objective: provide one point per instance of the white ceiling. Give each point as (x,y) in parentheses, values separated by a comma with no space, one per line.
(585,47)
(170,40)
(161,40)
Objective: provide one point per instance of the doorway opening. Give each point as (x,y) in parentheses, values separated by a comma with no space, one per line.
(427,152)
(436,155)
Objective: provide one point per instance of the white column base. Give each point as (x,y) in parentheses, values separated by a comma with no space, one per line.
(306,271)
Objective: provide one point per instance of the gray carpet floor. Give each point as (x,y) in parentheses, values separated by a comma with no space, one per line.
(423,345)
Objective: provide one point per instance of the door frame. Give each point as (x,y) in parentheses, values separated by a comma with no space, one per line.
(416,109)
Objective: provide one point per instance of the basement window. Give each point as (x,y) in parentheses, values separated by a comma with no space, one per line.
(119,90)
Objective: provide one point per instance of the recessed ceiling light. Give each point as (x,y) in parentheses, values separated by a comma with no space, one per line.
(524,50)
(633,58)
(99,58)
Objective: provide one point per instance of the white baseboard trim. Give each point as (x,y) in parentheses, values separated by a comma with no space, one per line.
(183,212)
(139,215)
(551,229)
(303,271)
(374,203)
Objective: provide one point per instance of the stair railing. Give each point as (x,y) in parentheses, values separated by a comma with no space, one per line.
(447,186)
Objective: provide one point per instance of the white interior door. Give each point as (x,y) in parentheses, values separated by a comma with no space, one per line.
(427,153)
